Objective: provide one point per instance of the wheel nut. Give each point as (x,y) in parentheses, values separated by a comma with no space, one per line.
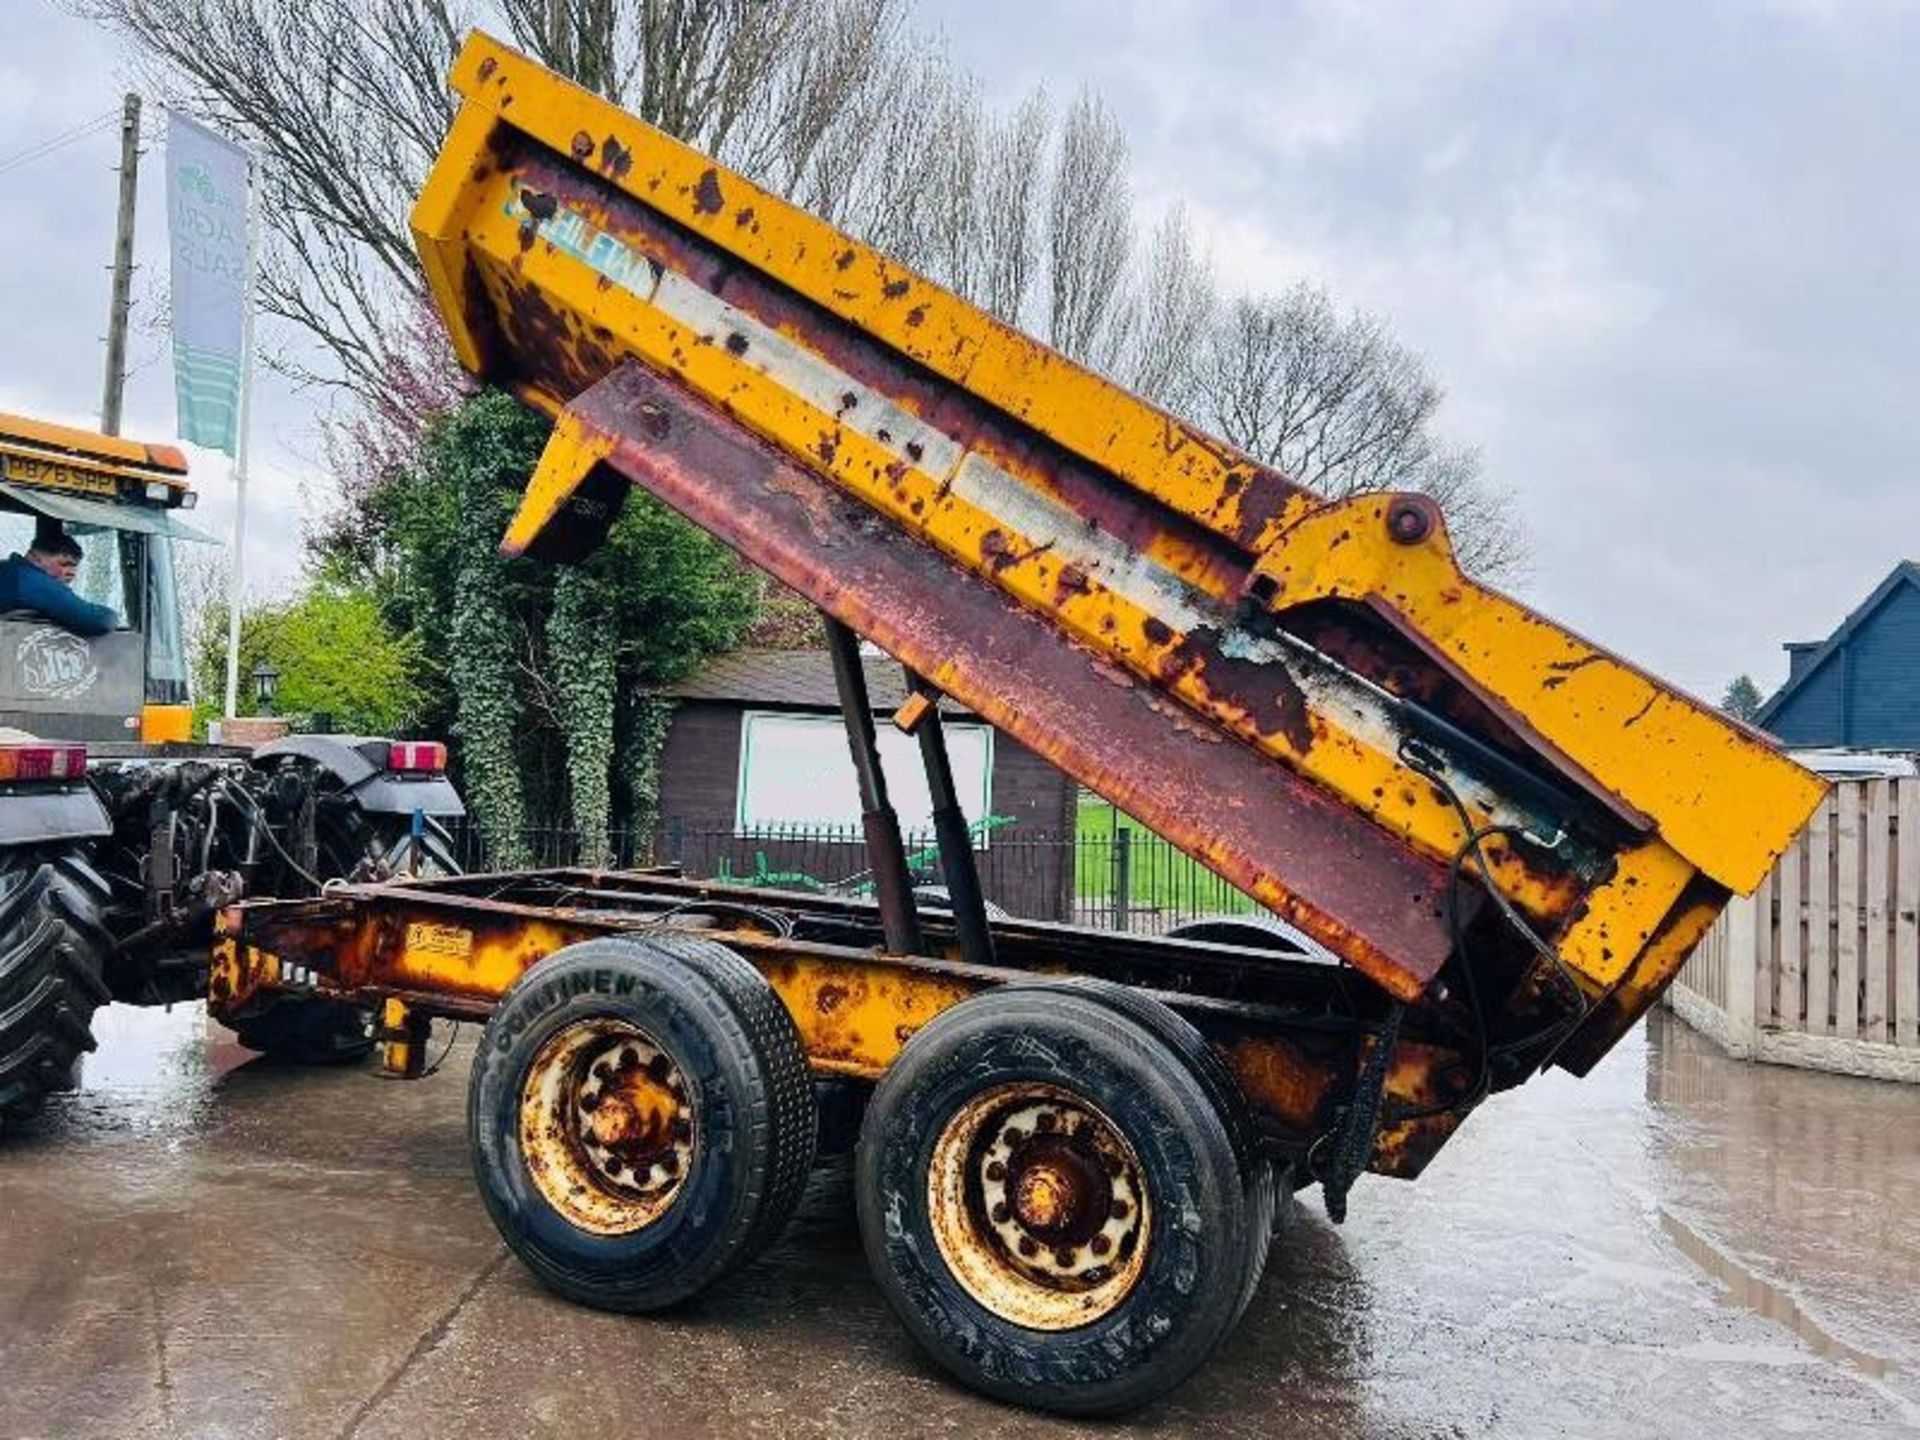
(1120,1210)
(1100,1245)
(996,1171)
(1001,1214)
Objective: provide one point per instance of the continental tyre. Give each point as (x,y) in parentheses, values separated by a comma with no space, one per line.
(1051,1202)
(642,1119)
(352,845)
(53,951)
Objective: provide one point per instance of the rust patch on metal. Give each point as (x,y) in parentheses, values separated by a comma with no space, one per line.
(707,199)
(615,159)
(1364,896)
(1266,693)
(1280,1080)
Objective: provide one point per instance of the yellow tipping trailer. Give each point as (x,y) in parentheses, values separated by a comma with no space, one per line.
(1501,839)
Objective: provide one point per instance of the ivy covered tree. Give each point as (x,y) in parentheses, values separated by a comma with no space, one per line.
(538,674)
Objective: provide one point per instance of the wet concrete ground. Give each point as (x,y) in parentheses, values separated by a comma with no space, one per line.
(197,1245)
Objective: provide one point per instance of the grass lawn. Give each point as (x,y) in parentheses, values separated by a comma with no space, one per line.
(1159,876)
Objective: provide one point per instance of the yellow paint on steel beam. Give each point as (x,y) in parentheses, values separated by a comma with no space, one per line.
(1722,796)
(1089,415)
(1369,778)
(517,271)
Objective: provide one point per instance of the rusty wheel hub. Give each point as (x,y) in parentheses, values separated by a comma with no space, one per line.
(1038,1206)
(606,1126)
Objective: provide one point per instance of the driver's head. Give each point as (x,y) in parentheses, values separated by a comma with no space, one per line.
(55,552)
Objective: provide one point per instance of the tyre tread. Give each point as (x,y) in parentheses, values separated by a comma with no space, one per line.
(53,952)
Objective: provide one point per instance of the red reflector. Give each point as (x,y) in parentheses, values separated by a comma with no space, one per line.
(42,762)
(429,755)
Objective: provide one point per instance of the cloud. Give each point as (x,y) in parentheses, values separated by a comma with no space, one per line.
(56,237)
(1661,256)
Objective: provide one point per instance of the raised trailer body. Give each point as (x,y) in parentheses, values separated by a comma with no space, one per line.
(1499,840)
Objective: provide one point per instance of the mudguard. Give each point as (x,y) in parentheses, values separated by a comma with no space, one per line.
(38,816)
(359,763)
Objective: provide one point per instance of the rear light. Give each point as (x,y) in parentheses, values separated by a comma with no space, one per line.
(42,762)
(417,756)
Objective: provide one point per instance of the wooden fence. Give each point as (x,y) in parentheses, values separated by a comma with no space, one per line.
(1821,967)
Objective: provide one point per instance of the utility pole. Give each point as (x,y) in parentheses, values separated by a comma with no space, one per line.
(116,385)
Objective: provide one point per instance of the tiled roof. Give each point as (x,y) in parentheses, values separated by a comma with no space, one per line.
(802,679)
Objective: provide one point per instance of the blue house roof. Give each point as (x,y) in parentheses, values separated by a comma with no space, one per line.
(1859,687)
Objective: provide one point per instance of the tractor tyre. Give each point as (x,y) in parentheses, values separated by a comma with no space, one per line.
(353,845)
(53,953)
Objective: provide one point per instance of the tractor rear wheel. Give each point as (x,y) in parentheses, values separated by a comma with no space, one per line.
(53,952)
(353,845)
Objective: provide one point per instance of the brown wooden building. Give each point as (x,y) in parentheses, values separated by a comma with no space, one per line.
(756,784)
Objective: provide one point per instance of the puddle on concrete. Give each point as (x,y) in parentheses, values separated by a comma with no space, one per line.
(1756,1293)
(152,1068)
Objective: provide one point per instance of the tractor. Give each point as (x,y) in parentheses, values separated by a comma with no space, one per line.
(120,838)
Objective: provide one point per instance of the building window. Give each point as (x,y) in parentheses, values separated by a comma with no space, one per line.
(795,771)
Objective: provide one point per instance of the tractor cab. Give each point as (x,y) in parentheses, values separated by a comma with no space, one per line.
(121,501)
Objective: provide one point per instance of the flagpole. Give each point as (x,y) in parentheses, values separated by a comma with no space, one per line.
(244,423)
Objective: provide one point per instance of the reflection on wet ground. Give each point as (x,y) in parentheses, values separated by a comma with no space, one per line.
(1747,1287)
(199,1243)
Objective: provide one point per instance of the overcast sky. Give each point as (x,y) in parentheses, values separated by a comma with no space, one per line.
(1663,256)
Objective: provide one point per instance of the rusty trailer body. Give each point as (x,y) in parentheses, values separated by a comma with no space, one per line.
(1501,840)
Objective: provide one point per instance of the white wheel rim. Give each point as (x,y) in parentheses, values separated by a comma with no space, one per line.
(1039,1206)
(607,1128)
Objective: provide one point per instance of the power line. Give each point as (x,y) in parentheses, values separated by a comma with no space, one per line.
(60,141)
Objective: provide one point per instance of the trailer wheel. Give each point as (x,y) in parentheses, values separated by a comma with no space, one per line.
(642,1119)
(1051,1201)
(53,951)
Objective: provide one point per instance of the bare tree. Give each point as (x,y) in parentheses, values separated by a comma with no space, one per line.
(1175,305)
(839,104)
(1341,406)
(1008,202)
(348,104)
(1089,235)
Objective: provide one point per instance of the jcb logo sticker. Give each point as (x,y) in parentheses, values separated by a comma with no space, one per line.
(55,665)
